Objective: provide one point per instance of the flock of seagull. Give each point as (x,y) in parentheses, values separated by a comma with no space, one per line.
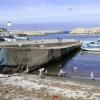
(43,72)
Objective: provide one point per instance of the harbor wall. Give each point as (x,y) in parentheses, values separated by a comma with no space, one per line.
(32,57)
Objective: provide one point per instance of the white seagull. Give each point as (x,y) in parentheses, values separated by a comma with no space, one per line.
(61,72)
(75,69)
(42,72)
(92,76)
(27,70)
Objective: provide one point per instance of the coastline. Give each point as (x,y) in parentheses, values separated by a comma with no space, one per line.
(37,33)
(83,34)
(33,33)
(31,87)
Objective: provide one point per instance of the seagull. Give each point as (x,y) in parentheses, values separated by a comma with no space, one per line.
(92,76)
(46,71)
(19,44)
(41,69)
(42,72)
(61,72)
(69,9)
(75,69)
(27,70)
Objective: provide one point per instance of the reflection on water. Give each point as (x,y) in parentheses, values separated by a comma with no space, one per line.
(86,62)
(67,36)
(54,68)
(90,53)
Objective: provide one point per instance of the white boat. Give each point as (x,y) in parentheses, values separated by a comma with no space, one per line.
(91,49)
(91,46)
(9,39)
(20,38)
(17,37)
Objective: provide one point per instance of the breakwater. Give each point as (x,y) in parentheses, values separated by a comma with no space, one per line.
(37,33)
(35,53)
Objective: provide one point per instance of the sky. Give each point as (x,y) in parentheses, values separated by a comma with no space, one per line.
(50,11)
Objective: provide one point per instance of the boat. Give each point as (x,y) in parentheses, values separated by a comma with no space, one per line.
(19,37)
(96,49)
(91,46)
(7,39)
(14,38)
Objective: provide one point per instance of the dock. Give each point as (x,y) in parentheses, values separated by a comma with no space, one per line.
(37,52)
(41,44)
(45,32)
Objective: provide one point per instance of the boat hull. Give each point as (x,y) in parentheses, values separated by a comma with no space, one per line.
(90,49)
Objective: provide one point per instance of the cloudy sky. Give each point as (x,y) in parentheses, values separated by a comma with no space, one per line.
(50,11)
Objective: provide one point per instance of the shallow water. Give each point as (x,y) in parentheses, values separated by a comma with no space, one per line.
(86,63)
(67,36)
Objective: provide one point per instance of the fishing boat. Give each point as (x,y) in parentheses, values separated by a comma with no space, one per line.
(19,37)
(91,46)
(14,38)
(7,39)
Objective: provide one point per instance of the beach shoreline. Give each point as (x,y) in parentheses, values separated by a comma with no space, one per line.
(31,87)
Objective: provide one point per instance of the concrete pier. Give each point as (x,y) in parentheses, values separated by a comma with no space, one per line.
(35,33)
(35,53)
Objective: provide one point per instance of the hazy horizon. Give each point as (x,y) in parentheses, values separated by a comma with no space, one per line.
(47,26)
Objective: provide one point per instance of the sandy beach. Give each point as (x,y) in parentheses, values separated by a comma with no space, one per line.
(31,87)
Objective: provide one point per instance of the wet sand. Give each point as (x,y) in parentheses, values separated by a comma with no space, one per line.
(31,87)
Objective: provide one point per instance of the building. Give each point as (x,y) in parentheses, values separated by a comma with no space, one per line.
(3,31)
(95,30)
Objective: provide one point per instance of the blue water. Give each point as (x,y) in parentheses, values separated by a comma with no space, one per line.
(67,36)
(86,62)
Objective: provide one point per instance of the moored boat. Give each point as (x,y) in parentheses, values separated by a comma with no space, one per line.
(7,39)
(91,49)
(91,46)
(19,37)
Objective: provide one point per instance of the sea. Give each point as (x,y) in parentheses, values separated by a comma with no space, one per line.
(85,61)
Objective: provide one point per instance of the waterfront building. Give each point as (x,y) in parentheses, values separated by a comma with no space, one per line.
(3,31)
(94,30)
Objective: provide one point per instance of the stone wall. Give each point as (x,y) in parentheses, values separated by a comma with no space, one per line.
(28,56)
(31,57)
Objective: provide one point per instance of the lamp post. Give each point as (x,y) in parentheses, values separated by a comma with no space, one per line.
(9,24)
